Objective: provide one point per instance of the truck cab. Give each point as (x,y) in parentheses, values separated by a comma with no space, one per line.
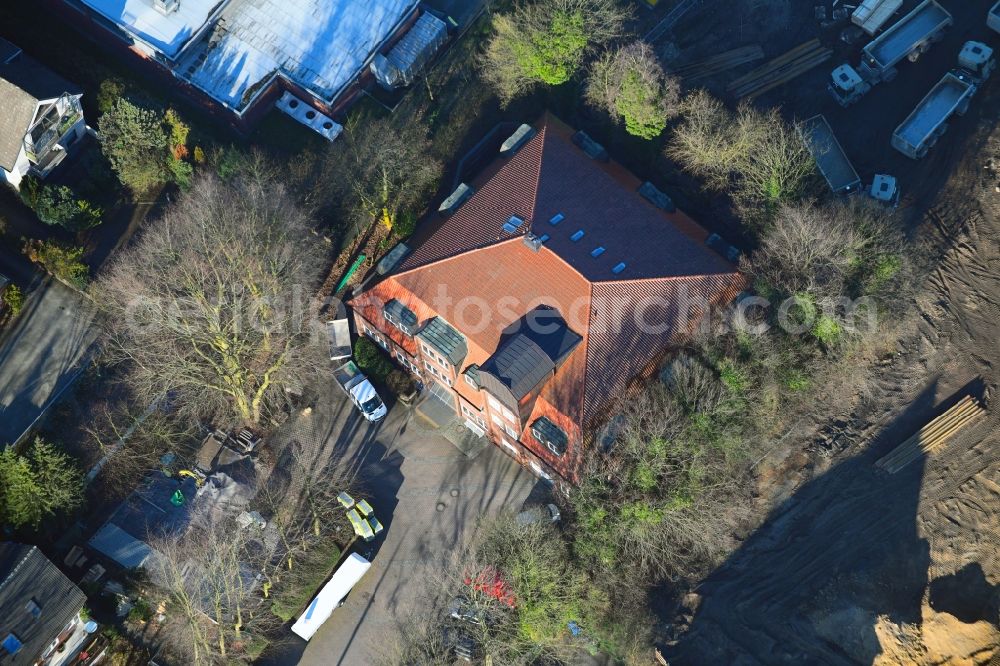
(847,86)
(976,59)
(360,391)
(884,189)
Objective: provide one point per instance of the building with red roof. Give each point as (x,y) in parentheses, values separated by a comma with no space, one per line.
(549,294)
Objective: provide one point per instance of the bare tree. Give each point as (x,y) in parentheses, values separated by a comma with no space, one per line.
(380,171)
(819,250)
(663,502)
(755,155)
(509,597)
(630,84)
(211,305)
(546,41)
(210,578)
(132,439)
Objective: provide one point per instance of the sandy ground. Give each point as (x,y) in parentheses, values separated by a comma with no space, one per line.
(856,566)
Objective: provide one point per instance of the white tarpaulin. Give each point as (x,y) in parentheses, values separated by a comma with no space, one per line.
(322,606)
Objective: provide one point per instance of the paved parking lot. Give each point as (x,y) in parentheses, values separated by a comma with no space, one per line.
(408,470)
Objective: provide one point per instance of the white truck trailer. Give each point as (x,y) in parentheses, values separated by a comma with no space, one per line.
(340,338)
(929,120)
(830,157)
(360,391)
(907,38)
(871,15)
(330,597)
(993,17)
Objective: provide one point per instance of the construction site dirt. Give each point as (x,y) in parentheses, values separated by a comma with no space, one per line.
(852,564)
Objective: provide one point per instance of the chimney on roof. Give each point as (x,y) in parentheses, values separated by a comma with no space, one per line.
(166,7)
(532,241)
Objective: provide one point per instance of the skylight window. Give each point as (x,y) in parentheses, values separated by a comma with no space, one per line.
(513,224)
(543,238)
(577,235)
(598,251)
(618,268)
(556,219)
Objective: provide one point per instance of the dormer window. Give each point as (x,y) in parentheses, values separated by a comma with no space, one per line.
(400,316)
(471,376)
(552,436)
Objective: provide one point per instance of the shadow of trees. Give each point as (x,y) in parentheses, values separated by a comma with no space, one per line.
(810,584)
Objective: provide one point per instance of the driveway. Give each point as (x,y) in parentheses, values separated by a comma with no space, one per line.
(408,470)
(42,354)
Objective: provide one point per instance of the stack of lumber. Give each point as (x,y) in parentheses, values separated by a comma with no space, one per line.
(781,70)
(932,436)
(722,62)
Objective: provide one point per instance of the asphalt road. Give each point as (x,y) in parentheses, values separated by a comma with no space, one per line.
(41,354)
(407,470)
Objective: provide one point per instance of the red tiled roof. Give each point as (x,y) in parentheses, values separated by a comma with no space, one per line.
(549,175)
(481,279)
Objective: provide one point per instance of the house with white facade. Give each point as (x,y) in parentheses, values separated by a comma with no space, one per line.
(40,116)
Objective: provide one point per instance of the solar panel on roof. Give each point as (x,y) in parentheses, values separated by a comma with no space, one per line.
(597,251)
(577,235)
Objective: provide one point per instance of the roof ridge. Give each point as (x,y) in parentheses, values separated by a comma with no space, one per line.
(667,278)
(586,362)
(441,260)
(13,572)
(538,171)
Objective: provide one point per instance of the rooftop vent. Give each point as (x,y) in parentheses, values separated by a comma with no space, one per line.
(618,268)
(654,196)
(455,199)
(166,7)
(513,224)
(597,251)
(520,137)
(533,241)
(577,235)
(308,116)
(556,219)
